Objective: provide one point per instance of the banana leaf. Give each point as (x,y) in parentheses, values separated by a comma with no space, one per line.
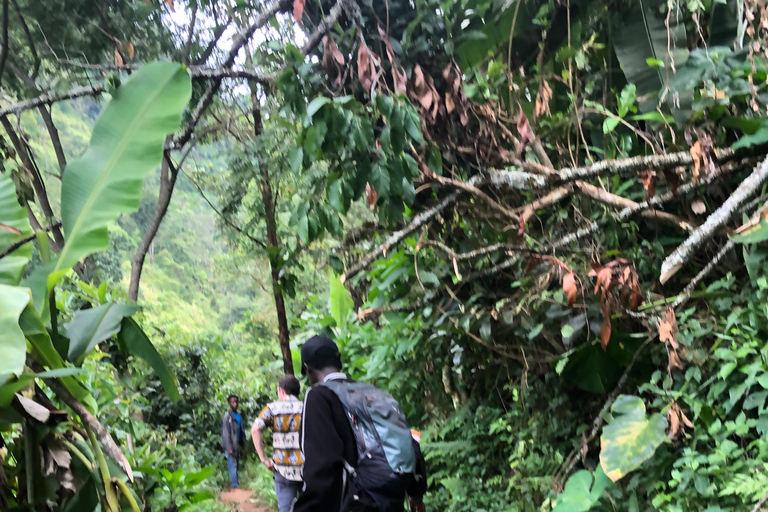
(14,226)
(648,52)
(126,145)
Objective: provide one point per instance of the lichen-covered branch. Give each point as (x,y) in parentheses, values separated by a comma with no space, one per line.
(684,251)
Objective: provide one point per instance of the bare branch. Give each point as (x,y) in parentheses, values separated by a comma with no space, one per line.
(329,21)
(217,33)
(223,217)
(479,193)
(23,241)
(685,295)
(684,251)
(52,97)
(237,43)
(621,202)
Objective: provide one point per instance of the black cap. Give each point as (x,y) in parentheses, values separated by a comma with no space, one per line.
(319,352)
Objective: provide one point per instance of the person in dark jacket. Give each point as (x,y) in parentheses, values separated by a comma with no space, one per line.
(327,440)
(232,438)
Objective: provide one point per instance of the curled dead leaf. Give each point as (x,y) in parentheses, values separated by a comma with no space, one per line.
(399,78)
(570,288)
(298,10)
(696,156)
(119,62)
(365,68)
(648,178)
(371,196)
(524,131)
(130,50)
(542,100)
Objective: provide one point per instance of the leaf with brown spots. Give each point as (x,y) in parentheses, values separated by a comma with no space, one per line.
(570,288)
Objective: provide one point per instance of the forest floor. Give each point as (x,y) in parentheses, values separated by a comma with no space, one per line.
(240,500)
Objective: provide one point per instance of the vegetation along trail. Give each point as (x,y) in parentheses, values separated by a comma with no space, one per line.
(540,225)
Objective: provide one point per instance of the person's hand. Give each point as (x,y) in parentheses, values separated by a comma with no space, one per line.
(268,464)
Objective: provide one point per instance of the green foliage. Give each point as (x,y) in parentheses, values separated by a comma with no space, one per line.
(14,227)
(582,491)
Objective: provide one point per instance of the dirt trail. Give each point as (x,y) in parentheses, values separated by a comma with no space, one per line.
(241,500)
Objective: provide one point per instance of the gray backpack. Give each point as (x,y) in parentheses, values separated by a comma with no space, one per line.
(385,453)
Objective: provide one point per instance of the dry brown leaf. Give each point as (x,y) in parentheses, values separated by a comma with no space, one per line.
(119,63)
(605,333)
(668,328)
(649,181)
(169,3)
(570,288)
(371,196)
(542,100)
(298,10)
(331,53)
(10,229)
(698,206)
(523,129)
(674,361)
(131,51)
(365,68)
(399,78)
(696,156)
(673,418)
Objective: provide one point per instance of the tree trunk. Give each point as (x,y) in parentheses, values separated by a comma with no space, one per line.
(267,195)
(168,177)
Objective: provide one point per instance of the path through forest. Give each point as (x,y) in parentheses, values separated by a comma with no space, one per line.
(240,500)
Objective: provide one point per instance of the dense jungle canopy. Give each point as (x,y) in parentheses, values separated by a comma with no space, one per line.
(539,224)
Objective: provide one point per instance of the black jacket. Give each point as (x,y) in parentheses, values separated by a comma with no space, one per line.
(327,440)
(232,436)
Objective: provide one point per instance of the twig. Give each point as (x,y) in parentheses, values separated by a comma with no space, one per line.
(684,251)
(685,295)
(606,197)
(479,193)
(759,505)
(23,241)
(221,215)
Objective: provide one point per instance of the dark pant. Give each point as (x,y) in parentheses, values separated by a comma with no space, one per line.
(232,466)
(287,491)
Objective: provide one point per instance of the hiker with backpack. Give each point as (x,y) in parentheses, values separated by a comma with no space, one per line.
(359,454)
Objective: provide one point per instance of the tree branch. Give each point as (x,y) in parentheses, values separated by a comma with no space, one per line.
(217,33)
(222,216)
(719,217)
(23,241)
(685,295)
(606,197)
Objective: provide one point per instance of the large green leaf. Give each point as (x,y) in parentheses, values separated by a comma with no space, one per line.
(134,340)
(582,491)
(89,327)
(647,51)
(341,302)
(126,145)
(13,346)
(44,352)
(14,226)
(631,438)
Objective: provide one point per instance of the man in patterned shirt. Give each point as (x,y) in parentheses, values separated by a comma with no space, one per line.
(284,418)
